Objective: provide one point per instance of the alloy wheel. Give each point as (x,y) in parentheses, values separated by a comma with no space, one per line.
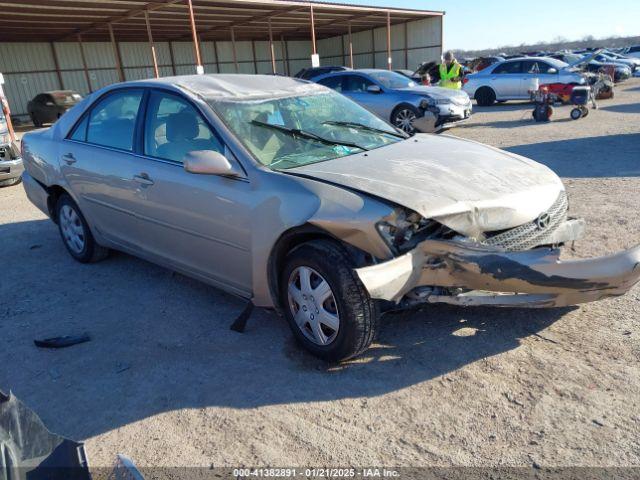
(313,306)
(404,120)
(72,229)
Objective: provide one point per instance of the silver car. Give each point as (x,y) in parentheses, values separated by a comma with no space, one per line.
(513,79)
(401,101)
(294,197)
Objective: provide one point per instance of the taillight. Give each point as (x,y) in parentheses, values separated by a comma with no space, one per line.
(465,80)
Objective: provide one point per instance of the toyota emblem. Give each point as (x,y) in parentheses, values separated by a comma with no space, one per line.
(543,221)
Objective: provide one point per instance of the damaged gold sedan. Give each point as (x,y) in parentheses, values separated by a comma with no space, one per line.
(290,195)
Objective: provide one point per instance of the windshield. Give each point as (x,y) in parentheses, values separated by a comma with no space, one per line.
(392,80)
(290,132)
(557,64)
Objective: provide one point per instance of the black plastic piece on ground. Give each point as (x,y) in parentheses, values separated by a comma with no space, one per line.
(240,323)
(62,342)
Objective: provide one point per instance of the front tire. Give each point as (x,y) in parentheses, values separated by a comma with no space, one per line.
(328,309)
(36,123)
(485,97)
(76,234)
(403,117)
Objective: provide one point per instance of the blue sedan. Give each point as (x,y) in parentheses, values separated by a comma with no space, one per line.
(399,100)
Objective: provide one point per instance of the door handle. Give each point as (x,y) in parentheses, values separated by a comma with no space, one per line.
(69,158)
(143,179)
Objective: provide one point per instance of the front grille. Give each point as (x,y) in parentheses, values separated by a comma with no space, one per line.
(531,234)
(5,152)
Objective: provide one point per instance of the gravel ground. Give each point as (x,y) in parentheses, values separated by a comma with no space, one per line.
(166,382)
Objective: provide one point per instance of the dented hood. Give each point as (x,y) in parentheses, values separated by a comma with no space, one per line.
(469,187)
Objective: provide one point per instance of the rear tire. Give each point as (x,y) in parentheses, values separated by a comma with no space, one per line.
(75,232)
(485,96)
(351,317)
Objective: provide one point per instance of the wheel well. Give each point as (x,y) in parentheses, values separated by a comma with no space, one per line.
(55,192)
(484,87)
(294,238)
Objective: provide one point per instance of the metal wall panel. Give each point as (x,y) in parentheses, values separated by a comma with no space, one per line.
(208,52)
(68,54)
(138,73)
(299,49)
(423,33)
(25,57)
(361,42)
(99,55)
(75,80)
(244,51)
(183,53)
(102,78)
(330,47)
(138,54)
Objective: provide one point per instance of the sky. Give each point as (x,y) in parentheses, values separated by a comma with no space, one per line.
(480,24)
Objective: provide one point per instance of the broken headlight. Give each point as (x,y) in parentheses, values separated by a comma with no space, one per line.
(404,229)
(432,102)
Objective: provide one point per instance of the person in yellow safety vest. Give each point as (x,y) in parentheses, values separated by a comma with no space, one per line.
(450,72)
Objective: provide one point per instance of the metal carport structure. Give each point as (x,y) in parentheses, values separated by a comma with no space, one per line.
(86,44)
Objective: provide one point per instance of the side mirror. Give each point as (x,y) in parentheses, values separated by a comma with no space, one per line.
(209,162)
(374,89)
(552,71)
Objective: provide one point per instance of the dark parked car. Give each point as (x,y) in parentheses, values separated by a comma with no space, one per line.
(312,72)
(411,75)
(48,107)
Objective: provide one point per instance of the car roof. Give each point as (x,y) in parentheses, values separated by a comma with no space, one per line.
(235,86)
(59,92)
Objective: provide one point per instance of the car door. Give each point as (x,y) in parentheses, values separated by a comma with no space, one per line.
(99,163)
(198,223)
(536,69)
(506,79)
(356,86)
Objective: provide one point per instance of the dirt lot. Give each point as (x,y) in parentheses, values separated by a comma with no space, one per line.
(166,382)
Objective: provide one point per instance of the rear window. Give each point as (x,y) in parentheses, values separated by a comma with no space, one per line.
(66,98)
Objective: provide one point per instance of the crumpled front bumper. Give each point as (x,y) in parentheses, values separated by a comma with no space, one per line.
(492,276)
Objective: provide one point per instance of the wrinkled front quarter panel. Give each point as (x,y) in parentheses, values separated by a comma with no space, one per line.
(288,201)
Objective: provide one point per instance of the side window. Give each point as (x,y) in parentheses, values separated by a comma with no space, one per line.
(173,128)
(333,82)
(508,67)
(355,83)
(543,67)
(80,132)
(112,121)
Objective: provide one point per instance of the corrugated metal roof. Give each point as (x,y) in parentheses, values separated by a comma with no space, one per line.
(55,20)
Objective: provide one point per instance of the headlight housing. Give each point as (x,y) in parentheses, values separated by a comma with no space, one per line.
(404,229)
